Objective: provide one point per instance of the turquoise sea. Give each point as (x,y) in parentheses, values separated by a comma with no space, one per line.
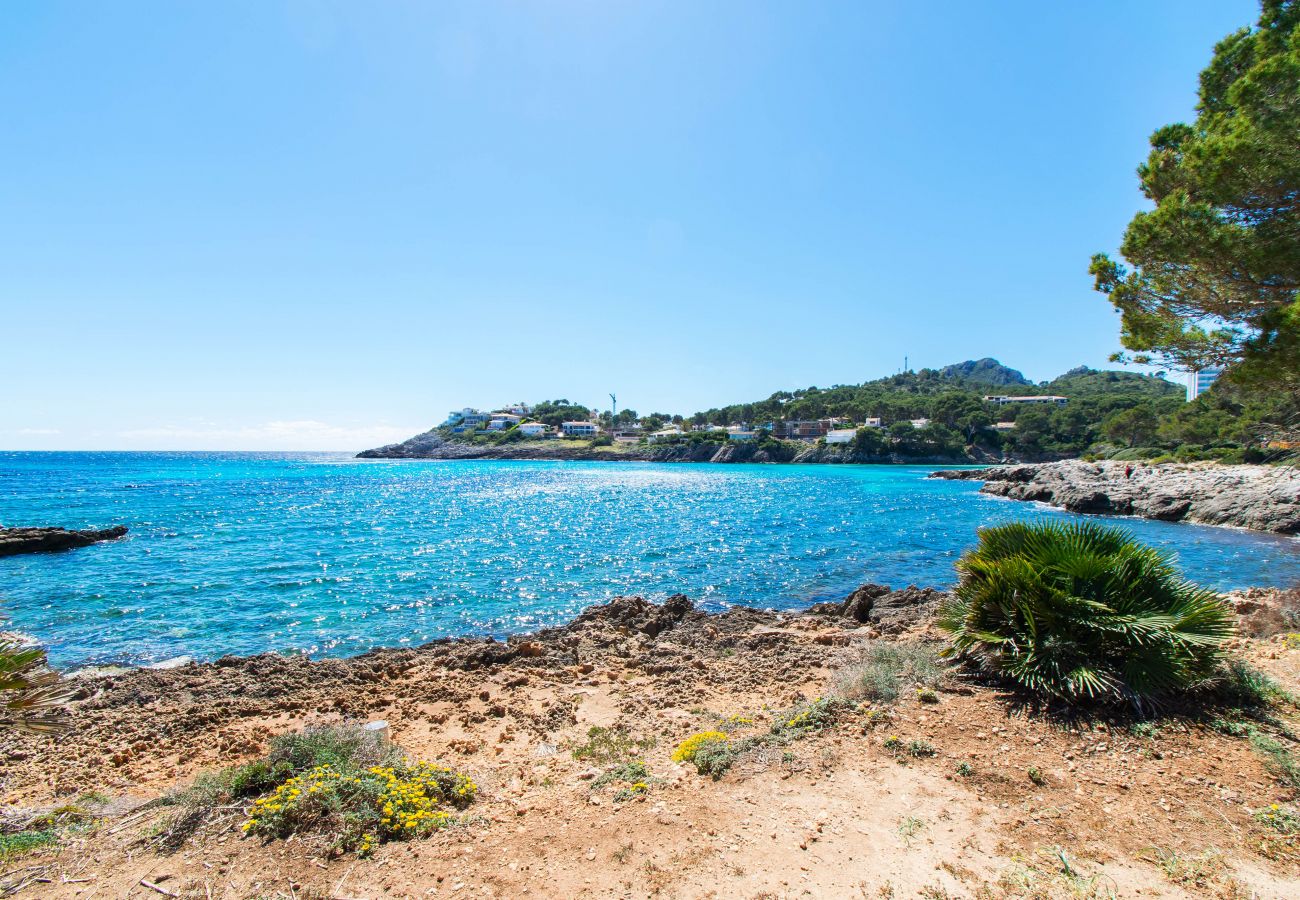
(328,555)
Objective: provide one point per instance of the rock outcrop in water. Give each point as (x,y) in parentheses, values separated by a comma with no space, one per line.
(1262,498)
(45,540)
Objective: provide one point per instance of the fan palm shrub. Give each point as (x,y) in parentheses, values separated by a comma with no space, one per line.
(32,698)
(1083,612)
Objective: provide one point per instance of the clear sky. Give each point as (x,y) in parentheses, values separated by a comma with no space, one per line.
(321,225)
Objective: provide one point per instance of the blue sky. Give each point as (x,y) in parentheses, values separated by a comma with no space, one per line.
(318,225)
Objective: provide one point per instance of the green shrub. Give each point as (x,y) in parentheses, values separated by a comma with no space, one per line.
(17,842)
(340,746)
(887,668)
(1083,612)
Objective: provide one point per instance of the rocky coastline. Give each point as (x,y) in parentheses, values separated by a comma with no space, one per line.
(432,445)
(48,540)
(546,724)
(1259,498)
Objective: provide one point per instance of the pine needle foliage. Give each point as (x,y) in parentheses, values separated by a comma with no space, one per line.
(1084,613)
(32,698)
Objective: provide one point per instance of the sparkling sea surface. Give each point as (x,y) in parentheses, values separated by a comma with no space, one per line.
(328,555)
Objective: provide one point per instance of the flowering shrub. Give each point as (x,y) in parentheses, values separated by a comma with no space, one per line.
(809,717)
(365,807)
(631,792)
(688,749)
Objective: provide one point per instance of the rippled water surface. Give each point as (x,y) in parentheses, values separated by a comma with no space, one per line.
(243,553)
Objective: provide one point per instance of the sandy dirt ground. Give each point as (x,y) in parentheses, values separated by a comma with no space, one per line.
(1111,811)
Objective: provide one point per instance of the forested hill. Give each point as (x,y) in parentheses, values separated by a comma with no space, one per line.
(1108,414)
(950,394)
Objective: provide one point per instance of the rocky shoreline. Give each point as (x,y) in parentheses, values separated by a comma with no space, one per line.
(48,540)
(432,445)
(163,709)
(547,725)
(1259,498)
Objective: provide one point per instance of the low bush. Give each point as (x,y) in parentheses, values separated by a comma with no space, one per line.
(688,749)
(887,668)
(342,746)
(607,746)
(1083,612)
(351,787)
(361,809)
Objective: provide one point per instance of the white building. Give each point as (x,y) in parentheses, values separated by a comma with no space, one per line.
(1004,426)
(873,422)
(466,416)
(533,429)
(580,429)
(664,434)
(841,435)
(1042,400)
(1199,381)
(503,421)
(920,423)
(741,434)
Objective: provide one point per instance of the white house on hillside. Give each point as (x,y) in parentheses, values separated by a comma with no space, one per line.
(500,421)
(580,429)
(664,434)
(533,429)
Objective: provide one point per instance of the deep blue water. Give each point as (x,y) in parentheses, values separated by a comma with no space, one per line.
(320,553)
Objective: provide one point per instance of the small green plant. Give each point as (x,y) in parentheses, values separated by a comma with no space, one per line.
(1146,730)
(607,746)
(1282,831)
(1242,686)
(19,842)
(1188,871)
(1036,775)
(918,748)
(965,769)
(632,791)
(886,668)
(806,718)
(716,758)
(909,827)
(1083,612)
(633,771)
(1277,757)
(926,695)
(1282,819)
(894,744)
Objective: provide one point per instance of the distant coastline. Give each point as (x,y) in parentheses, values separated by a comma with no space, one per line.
(432,445)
